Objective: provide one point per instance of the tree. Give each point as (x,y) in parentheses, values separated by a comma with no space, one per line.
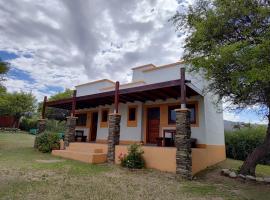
(68,93)
(57,113)
(230,42)
(17,105)
(4,67)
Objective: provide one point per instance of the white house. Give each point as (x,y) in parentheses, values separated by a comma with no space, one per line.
(147,107)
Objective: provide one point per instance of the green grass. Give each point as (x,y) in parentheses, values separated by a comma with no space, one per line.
(23,176)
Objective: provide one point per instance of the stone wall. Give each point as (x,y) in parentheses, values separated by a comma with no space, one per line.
(183,145)
(70,132)
(114,135)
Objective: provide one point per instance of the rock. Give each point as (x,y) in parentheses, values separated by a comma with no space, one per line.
(225,172)
(242,176)
(259,179)
(232,175)
(266,180)
(251,178)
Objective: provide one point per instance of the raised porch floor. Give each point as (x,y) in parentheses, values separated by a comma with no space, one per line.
(160,158)
(85,152)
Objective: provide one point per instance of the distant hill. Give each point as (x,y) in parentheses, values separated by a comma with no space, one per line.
(231,126)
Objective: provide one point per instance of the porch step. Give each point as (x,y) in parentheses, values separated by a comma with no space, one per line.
(88,147)
(81,156)
(84,152)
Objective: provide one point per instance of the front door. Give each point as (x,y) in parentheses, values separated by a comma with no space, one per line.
(153,121)
(94,124)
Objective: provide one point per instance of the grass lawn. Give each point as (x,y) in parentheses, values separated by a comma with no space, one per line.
(28,174)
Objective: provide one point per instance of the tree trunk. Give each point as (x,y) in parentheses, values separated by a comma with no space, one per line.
(249,166)
(16,122)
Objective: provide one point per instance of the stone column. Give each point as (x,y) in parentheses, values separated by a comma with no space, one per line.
(70,132)
(41,127)
(183,145)
(114,135)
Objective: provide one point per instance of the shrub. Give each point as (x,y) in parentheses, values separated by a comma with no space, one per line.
(240,143)
(47,141)
(134,159)
(55,125)
(28,123)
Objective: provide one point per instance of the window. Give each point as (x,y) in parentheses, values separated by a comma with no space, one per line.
(172,114)
(132,116)
(81,120)
(104,116)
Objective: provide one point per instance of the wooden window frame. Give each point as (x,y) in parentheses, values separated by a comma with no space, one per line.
(86,119)
(193,124)
(104,124)
(132,123)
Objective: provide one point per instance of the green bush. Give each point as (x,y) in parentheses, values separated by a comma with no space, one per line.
(134,159)
(28,123)
(55,125)
(240,143)
(47,141)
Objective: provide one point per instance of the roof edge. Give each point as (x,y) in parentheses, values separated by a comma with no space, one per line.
(164,66)
(97,81)
(143,66)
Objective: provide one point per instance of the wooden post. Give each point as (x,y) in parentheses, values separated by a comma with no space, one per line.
(116,97)
(73,103)
(44,108)
(183,89)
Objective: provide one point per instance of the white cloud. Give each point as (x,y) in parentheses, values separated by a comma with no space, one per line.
(72,42)
(231,116)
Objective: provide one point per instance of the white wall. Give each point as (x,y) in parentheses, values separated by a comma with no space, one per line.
(92,88)
(214,121)
(126,133)
(102,132)
(166,74)
(130,133)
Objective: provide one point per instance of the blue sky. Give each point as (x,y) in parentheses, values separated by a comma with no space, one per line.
(53,45)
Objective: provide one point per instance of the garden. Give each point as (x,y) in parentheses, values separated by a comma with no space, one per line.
(26,173)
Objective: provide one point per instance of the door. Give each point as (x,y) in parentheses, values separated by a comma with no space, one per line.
(94,124)
(153,121)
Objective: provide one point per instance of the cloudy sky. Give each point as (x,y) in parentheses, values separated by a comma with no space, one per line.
(57,44)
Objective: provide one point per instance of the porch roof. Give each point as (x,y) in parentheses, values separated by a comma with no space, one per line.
(151,92)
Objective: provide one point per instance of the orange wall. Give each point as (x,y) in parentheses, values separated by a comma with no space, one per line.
(161,158)
(164,158)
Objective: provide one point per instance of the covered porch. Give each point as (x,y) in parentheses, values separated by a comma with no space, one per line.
(144,112)
(156,154)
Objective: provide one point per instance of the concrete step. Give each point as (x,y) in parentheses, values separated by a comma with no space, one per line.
(87,157)
(85,149)
(88,147)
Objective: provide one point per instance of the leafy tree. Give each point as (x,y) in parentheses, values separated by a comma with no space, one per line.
(17,104)
(62,95)
(4,67)
(230,42)
(57,113)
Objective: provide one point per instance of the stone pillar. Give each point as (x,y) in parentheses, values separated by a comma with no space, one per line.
(41,127)
(183,145)
(70,132)
(114,135)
